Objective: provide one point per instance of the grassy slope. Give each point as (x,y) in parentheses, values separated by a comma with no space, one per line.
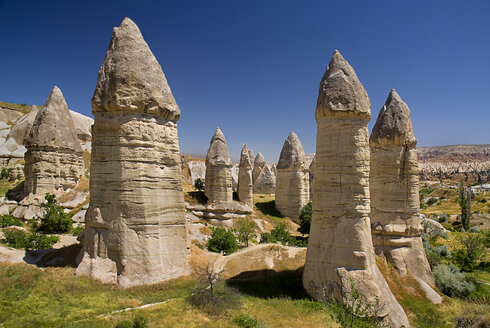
(21,108)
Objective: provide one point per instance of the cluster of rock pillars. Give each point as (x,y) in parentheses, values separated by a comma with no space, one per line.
(364,191)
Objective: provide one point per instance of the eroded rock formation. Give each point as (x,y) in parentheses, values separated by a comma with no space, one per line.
(394,187)
(292,180)
(259,165)
(245,183)
(340,249)
(53,160)
(135,226)
(218,182)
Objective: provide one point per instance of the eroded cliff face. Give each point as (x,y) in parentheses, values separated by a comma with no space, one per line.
(53,160)
(394,188)
(135,225)
(340,249)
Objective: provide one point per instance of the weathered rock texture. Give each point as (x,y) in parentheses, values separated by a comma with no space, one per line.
(53,160)
(259,165)
(135,226)
(292,181)
(394,188)
(218,182)
(264,176)
(245,183)
(340,248)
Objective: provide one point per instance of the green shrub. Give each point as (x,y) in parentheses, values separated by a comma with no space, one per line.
(139,321)
(78,230)
(443,251)
(305,219)
(222,240)
(266,238)
(245,230)
(471,253)
(245,321)
(431,201)
(55,220)
(8,220)
(443,218)
(4,174)
(451,281)
(20,239)
(199,184)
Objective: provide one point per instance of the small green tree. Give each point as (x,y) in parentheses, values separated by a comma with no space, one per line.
(55,220)
(222,240)
(199,184)
(464,200)
(305,219)
(472,251)
(245,230)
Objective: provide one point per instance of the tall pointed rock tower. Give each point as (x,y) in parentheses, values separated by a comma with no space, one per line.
(53,160)
(340,248)
(218,180)
(245,183)
(394,186)
(135,226)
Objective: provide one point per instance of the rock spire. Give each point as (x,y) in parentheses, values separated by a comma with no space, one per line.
(218,181)
(340,248)
(135,226)
(245,183)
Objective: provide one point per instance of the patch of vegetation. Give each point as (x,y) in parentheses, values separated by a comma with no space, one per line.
(24,108)
(139,321)
(269,208)
(280,234)
(305,219)
(222,240)
(55,220)
(245,230)
(195,197)
(20,239)
(451,281)
(8,220)
(199,184)
(78,230)
(245,321)
(5,173)
(472,251)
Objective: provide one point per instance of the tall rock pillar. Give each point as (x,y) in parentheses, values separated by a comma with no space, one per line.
(340,248)
(292,181)
(53,160)
(135,226)
(394,187)
(245,184)
(218,182)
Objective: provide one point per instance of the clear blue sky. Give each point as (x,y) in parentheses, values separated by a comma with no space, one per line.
(253,67)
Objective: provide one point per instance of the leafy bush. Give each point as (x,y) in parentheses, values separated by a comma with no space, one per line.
(199,184)
(4,174)
(20,239)
(471,253)
(443,218)
(139,321)
(55,220)
(245,321)
(451,281)
(222,240)
(431,201)
(78,230)
(443,251)
(8,220)
(280,234)
(245,230)
(305,219)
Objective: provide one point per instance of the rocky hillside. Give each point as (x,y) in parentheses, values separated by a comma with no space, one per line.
(468,163)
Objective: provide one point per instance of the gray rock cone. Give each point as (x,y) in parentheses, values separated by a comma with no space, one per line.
(292,180)
(394,188)
(340,248)
(245,183)
(135,226)
(218,180)
(53,160)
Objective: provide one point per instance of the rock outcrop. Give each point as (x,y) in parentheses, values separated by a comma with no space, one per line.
(135,226)
(259,165)
(218,181)
(53,160)
(340,249)
(292,181)
(394,188)
(266,182)
(245,183)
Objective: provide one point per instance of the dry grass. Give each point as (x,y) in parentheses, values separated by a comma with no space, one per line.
(24,108)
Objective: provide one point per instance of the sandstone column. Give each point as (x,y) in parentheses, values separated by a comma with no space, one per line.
(135,226)
(340,248)
(292,181)
(394,187)
(259,164)
(53,160)
(245,184)
(218,181)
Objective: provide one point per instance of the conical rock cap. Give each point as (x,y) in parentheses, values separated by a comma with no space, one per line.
(218,150)
(292,153)
(259,160)
(245,161)
(53,126)
(394,125)
(131,79)
(341,92)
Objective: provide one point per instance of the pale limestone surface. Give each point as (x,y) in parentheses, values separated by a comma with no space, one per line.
(245,183)
(218,181)
(135,225)
(259,165)
(53,160)
(292,181)
(266,182)
(340,248)
(394,188)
